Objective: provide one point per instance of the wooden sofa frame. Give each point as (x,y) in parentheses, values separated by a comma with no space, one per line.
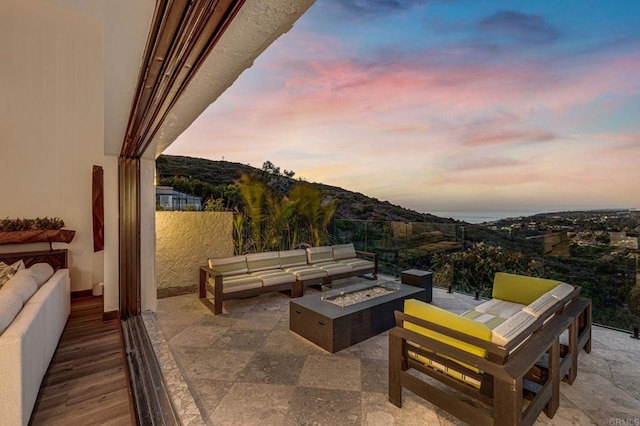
(295,287)
(504,374)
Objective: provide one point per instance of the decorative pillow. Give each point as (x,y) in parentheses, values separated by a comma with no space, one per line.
(10,306)
(41,272)
(22,285)
(8,271)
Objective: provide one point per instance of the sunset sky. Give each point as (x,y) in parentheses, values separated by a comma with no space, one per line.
(445,105)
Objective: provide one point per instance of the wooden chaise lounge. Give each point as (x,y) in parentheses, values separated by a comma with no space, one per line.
(488,374)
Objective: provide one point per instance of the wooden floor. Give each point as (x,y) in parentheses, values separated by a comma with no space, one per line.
(86,383)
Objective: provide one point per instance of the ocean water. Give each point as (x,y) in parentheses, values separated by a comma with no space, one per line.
(481,216)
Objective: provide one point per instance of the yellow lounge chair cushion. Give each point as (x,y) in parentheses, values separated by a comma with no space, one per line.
(519,288)
(422,310)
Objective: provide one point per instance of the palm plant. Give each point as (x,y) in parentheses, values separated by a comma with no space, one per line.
(253,192)
(277,233)
(313,215)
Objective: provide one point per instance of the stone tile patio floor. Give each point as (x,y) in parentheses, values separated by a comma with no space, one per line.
(245,367)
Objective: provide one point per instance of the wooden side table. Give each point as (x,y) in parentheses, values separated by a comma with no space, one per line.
(419,278)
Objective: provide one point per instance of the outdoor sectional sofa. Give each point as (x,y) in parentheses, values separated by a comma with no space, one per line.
(256,273)
(506,354)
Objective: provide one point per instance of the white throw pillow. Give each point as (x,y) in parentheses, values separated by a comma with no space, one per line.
(10,306)
(22,285)
(41,272)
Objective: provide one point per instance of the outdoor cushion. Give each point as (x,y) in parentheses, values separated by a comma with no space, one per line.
(511,328)
(344,251)
(263,261)
(334,268)
(239,282)
(562,290)
(427,312)
(358,264)
(306,272)
(274,277)
(319,255)
(229,265)
(491,321)
(290,258)
(519,288)
(500,308)
(541,305)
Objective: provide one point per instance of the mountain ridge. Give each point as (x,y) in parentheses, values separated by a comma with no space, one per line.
(351,205)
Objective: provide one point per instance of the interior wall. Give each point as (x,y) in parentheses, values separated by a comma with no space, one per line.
(51,123)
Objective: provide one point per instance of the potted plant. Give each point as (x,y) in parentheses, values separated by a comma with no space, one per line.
(38,230)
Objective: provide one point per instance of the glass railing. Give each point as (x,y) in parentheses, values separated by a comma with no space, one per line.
(464,258)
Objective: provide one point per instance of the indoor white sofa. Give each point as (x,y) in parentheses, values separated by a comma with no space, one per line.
(34,307)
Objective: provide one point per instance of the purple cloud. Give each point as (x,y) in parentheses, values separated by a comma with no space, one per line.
(373,7)
(521,27)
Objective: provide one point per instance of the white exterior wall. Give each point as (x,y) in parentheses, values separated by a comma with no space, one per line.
(186,240)
(51,123)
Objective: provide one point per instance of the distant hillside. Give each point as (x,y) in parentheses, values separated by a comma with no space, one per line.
(351,205)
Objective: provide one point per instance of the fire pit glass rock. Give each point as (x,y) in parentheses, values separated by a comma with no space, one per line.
(356,294)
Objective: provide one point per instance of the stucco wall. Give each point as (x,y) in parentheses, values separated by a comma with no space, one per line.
(184,242)
(51,123)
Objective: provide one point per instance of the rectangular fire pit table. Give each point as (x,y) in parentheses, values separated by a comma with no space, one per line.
(333,327)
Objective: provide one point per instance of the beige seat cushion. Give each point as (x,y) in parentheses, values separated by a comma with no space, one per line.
(263,261)
(233,265)
(231,283)
(275,277)
(319,255)
(491,321)
(358,264)
(290,258)
(344,251)
(306,272)
(334,268)
(541,305)
(562,290)
(500,308)
(511,328)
